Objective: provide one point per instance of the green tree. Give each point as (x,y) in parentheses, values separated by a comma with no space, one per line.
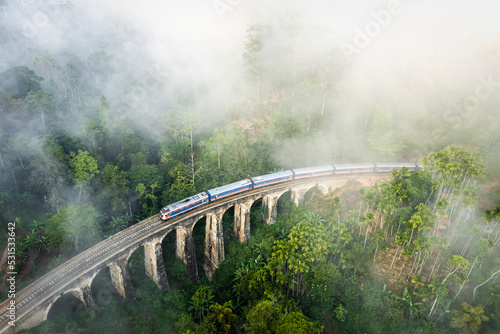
(297,323)
(40,101)
(223,316)
(104,110)
(216,145)
(307,245)
(84,169)
(252,55)
(18,81)
(47,171)
(147,195)
(262,318)
(115,187)
(72,223)
(200,302)
(456,263)
(468,319)
(381,135)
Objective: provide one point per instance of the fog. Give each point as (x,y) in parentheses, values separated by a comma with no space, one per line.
(362,80)
(419,56)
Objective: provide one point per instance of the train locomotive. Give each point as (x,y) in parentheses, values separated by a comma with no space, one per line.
(279,177)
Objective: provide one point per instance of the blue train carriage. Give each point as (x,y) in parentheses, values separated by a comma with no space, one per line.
(367,167)
(229,189)
(264,180)
(300,173)
(384,167)
(183,206)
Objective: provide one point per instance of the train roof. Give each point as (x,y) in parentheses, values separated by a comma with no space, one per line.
(273,175)
(313,169)
(221,189)
(185,201)
(395,164)
(357,165)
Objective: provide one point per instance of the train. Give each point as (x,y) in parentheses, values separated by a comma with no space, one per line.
(279,177)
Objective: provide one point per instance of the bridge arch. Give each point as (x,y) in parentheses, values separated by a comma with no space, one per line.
(75,292)
(284,200)
(317,188)
(102,287)
(115,251)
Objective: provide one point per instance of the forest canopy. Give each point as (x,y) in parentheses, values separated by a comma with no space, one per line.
(101,129)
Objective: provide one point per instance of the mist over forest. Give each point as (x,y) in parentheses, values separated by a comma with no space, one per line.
(111,110)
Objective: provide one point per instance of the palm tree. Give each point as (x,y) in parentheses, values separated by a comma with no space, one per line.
(469,319)
(223,315)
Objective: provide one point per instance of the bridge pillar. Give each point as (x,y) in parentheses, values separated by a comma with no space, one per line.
(298,196)
(242,220)
(85,296)
(271,203)
(84,292)
(120,277)
(186,252)
(214,242)
(154,265)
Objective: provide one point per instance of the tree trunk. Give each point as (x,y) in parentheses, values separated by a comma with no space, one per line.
(433,266)
(468,274)
(20,161)
(394,258)
(433,305)
(474,292)
(366,237)
(402,267)
(191,134)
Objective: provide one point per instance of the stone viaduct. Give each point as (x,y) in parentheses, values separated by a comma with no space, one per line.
(75,276)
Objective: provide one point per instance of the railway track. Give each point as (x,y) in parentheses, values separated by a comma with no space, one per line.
(98,256)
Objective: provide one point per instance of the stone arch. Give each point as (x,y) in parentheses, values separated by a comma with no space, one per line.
(72,291)
(256,214)
(161,237)
(284,203)
(126,257)
(309,193)
(102,287)
(135,262)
